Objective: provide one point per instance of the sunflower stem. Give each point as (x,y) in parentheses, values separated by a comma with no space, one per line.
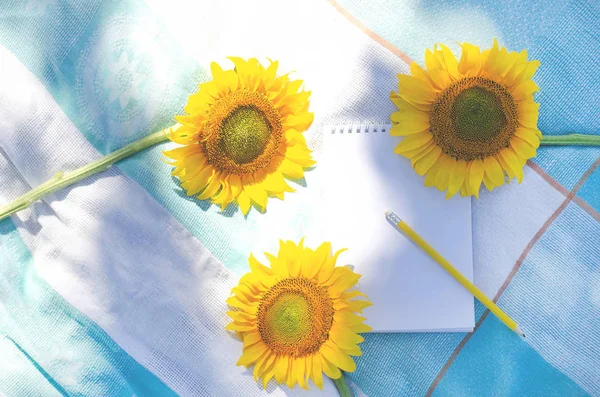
(61,180)
(342,386)
(571,140)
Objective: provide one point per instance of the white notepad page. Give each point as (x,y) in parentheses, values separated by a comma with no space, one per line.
(409,291)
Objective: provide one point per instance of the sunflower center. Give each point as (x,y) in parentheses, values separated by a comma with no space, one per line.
(474,118)
(243,133)
(295,316)
(477,115)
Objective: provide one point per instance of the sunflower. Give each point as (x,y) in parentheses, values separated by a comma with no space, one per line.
(242,133)
(469,121)
(297,318)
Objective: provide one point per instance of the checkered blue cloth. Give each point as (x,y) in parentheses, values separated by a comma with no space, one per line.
(116,286)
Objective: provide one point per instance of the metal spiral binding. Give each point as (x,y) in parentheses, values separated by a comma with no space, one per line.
(354,129)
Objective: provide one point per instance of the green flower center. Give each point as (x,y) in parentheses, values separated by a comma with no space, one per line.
(477,115)
(473,118)
(295,316)
(290,318)
(245,134)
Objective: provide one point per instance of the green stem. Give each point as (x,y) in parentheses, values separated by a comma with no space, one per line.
(571,140)
(342,386)
(61,179)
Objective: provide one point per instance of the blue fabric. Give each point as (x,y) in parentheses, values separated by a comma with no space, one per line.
(557,288)
(557,293)
(495,363)
(48,348)
(590,191)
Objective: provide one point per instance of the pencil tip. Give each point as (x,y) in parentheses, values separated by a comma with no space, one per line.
(519,332)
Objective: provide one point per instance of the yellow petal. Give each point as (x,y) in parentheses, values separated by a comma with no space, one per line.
(488,183)
(413,142)
(443,176)
(470,60)
(344,338)
(291,377)
(431,176)
(528,114)
(512,160)
(250,355)
(475,173)
(361,328)
(401,130)
(493,170)
(235,302)
(300,122)
(328,266)
(425,163)
(317,371)
(347,318)
(450,62)
(419,152)
(431,61)
(258,194)
(200,181)
(224,197)
(251,338)
(240,327)
(291,169)
(529,136)
(275,183)
(337,357)
(530,69)
(440,78)
(355,351)
(404,105)
(525,91)
(497,63)
(411,122)
(212,188)
(420,73)
(267,376)
(457,177)
(522,148)
(464,191)
(244,202)
(258,267)
(198,103)
(507,169)
(329,369)
(242,317)
(299,370)
(310,266)
(359,305)
(263,365)
(281,368)
(345,282)
(300,156)
(415,90)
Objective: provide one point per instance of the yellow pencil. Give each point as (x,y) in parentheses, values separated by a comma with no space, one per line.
(487,302)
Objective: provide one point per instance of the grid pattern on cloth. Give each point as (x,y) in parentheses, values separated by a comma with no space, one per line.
(351,75)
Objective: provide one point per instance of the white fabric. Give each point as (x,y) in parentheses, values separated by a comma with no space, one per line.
(496,215)
(117,255)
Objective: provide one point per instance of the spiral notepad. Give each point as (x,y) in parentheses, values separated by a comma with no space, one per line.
(410,292)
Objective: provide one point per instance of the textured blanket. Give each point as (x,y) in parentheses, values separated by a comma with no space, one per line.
(117,285)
